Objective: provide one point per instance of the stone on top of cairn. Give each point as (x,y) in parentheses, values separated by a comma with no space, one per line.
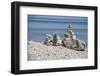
(69,28)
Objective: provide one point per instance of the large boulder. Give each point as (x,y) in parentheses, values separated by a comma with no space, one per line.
(74,44)
(67,42)
(81,45)
(78,45)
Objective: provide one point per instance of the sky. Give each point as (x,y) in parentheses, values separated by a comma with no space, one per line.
(58,22)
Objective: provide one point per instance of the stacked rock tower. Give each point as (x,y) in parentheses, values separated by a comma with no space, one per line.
(70,40)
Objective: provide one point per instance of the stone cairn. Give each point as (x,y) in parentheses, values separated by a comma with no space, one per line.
(52,40)
(70,40)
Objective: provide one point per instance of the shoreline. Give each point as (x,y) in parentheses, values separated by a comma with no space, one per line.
(39,51)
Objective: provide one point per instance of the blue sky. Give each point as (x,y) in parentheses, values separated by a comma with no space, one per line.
(42,21)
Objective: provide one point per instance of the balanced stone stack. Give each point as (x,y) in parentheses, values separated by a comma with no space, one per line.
(70,40)
(48,40)
(56,40)
(53,40)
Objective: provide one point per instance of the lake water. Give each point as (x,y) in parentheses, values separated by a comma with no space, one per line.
(38,34)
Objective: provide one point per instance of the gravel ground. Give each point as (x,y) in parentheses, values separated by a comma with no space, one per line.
(39,51)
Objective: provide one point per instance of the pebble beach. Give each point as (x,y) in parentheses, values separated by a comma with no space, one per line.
(39,51)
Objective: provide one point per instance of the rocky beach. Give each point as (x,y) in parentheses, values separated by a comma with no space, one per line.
(53,47)
(39,51)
